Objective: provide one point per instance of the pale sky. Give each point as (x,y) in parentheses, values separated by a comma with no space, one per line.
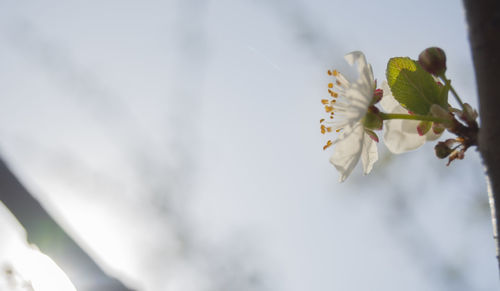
(180,141)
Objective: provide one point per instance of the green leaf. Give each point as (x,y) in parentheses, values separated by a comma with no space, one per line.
(394,67)
(413,87)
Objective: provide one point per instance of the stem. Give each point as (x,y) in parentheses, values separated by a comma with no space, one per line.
(456,96)
(448,83)
(386,116)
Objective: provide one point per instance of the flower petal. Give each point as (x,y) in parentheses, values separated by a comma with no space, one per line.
(348,151)
(351,106)
(369,153)
(401,135)
(359,94)
(388,101)
(364,69)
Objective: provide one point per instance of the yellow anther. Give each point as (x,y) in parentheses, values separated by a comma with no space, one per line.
(333,94)
(337,130)
(335,73)
(330,85)
(330,73)
(325,101)
(325,129)
(328,144)
(321,120)
(328,108)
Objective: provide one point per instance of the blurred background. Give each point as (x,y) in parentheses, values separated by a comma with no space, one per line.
(178,142)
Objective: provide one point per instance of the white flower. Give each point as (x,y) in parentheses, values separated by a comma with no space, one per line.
(348,105)
(401,135)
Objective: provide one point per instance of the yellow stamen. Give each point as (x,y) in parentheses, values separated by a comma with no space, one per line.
(333,94)
(325,129)
(328,144)
(328,103)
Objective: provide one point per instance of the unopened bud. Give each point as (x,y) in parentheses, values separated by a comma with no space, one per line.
(469,114)
(442,150)
(440,112)
(424,127)
(437,128)
(433,60)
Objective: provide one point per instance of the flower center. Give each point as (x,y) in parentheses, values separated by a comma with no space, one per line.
(343,110)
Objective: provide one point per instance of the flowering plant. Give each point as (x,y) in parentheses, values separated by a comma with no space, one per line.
(415,107)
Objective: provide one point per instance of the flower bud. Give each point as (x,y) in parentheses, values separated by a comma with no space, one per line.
(442,150)
(433,60)
(437,128)
(440,112)
(468,114)
(424,127)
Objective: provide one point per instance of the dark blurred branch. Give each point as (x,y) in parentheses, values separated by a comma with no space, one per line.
(483,17)
(43,231)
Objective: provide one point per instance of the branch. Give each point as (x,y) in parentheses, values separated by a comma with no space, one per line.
(483,17)
(51,239)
